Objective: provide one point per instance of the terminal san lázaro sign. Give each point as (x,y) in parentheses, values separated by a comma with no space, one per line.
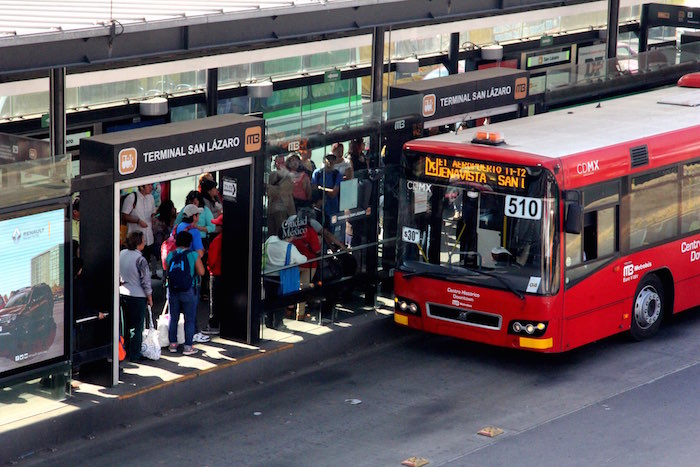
(177,146)
(463,93)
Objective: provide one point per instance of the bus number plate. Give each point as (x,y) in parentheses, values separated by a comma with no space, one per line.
(523,207)
(410,235)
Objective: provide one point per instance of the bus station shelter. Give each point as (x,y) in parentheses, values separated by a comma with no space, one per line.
(230,144)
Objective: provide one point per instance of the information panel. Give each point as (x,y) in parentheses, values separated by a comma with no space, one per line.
(483,173)
(32,289)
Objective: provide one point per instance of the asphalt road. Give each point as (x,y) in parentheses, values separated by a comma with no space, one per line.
(614,402)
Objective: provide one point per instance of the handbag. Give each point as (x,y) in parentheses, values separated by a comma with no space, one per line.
(289,278)
(164,326)
(150,346)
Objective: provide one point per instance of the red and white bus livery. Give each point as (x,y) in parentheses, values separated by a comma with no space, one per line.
(549,232)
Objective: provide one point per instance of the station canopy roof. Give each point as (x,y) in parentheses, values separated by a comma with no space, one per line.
(36,35)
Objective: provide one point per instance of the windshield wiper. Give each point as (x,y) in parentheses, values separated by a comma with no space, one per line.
(442,271)
(504,282)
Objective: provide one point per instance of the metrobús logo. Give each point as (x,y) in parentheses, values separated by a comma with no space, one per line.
(253,139)
(630,271)
(128,160)
(520,88)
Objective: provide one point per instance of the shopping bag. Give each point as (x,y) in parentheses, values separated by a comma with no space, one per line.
(164,326)
(163,322)
(122,351)
(289,278)
(150,346)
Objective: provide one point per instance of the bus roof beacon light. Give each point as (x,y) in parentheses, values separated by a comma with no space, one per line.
(490,138)
(260,90)
(407,65)
(492,52)
(154,107)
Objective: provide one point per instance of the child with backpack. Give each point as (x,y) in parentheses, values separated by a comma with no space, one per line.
(182,266)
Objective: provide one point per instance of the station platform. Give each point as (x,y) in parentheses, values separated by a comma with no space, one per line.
(32,421)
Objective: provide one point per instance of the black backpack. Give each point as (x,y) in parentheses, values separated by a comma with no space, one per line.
(179,274)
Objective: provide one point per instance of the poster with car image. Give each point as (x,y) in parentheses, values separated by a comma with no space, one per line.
(32,281)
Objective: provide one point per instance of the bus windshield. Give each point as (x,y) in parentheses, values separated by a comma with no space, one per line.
(484,223)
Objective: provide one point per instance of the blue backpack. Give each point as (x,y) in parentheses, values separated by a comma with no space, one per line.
(179,273)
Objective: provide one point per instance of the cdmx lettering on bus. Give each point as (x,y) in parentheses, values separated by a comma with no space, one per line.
(586,168)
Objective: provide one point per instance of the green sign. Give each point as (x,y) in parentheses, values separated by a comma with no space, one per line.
(546,41)
(330,76)
(45,120)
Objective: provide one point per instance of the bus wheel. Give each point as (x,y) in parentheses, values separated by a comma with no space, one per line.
(648,308)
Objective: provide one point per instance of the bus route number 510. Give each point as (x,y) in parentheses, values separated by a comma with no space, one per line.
(523,207)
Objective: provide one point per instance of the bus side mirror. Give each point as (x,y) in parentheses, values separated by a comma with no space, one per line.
(572,223)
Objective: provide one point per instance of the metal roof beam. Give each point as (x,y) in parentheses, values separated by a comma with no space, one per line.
(126,45)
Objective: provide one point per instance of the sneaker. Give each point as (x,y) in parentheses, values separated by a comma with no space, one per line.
(211,331)
(189,350)
(199,337)
(172,348)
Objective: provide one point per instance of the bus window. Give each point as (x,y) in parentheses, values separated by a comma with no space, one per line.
(599,239)
(654,207)
(690,202)
(479,232)
(599,229)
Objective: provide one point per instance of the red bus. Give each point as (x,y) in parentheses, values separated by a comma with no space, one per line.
(556,230)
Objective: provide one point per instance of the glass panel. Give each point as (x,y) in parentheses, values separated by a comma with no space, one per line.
(25,104)
(573,249)
(653,207)
(234,74)
(346,226)
(601,195)
(34,180)
(278,67)
(606,232)
(690,204)
(471,231)
(187,112)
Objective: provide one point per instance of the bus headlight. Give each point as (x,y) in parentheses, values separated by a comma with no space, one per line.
(528,328)
(406,306)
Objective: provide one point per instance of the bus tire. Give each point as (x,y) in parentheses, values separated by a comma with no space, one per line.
(648,308)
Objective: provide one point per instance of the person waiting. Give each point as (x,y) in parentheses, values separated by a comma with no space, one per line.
(183,265)
(275,257)
(135,292)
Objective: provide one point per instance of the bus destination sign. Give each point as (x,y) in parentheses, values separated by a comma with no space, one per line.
(456,170)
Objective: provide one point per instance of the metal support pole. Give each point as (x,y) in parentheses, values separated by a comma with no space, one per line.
(57,110)
(377,64)
(212,91)
(613,20)
(453,54)
(644,28)
(370,286)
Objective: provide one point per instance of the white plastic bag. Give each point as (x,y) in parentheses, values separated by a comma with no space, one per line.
(164,325)
(150,346)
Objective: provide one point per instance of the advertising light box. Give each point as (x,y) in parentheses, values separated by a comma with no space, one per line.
(32,286)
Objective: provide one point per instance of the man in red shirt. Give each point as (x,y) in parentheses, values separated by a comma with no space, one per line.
(215,292)
(299,233)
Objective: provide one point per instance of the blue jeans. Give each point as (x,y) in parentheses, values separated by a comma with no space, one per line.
(185,303)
